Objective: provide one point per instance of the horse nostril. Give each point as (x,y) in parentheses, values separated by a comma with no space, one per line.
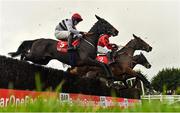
(150,48)
(117,32)
(149,66)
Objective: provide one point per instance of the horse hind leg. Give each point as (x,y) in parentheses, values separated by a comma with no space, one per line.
(29,58)
(135,83)
(37,60)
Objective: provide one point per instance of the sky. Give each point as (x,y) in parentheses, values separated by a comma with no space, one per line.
(157,22)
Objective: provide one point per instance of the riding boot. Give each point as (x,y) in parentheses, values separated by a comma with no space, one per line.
(110,74)
(110,57)
(70,46)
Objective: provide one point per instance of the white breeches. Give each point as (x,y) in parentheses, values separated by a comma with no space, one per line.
(103,50)
(62,34)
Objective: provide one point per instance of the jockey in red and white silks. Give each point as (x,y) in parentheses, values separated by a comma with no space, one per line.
(105,47)
(66,29)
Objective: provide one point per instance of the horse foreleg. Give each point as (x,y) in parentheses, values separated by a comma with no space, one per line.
(91,74)
(133,73)
(23,56)
(135,83)
(125,83)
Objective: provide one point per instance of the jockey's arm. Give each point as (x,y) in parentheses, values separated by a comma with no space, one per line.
(70,28)
(107,44)
(103,50)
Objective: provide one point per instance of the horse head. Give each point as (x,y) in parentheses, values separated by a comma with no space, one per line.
(140,44)
(144,61)
(103,27)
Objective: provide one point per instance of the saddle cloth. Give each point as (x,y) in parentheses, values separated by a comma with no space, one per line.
(62,47)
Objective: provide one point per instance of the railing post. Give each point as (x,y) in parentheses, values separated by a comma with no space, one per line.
(161,97)
(142,88)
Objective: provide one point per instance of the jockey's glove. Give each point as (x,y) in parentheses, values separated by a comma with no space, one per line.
(81,32)
(79,35)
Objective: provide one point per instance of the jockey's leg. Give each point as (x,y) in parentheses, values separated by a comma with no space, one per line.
(70,39)
(110,57)
(105,50)
(65,35)
(62,35)
(106,68)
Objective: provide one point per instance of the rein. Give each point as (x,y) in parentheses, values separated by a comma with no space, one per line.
(126,46)
(88,42)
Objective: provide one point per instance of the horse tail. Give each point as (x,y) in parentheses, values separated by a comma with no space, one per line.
(24,47)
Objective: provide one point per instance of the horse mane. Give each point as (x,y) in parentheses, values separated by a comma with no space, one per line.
(94,27)
(137,58)
(126,46)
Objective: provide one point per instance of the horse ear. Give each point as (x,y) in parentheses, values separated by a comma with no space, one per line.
(99,18)
(135,36)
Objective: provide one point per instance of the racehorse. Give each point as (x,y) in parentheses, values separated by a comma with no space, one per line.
(123,60)
(43,50)
(128,60)
(137,59)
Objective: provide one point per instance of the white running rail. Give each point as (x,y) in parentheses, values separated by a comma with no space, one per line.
(165,98)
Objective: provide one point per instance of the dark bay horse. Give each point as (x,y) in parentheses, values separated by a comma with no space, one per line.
(137,59)
(128,60)
(123,61)
(43,50)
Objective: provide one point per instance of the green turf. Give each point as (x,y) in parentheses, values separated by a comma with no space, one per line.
(52,105)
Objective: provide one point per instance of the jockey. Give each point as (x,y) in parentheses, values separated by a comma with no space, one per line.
(66,29)
(104,47)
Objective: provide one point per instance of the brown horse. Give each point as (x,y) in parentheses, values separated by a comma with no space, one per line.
(137,59)
(123,60)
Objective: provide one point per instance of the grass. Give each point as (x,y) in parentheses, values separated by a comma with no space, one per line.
(53,105)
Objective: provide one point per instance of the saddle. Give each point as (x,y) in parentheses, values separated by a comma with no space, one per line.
(62,45)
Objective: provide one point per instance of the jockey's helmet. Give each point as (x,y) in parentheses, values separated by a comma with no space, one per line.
(76,17)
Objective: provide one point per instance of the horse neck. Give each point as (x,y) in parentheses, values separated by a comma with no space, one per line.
(136,60)
(128,48)
(96,34)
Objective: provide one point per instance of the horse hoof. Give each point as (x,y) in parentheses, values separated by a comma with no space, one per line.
(109,84)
